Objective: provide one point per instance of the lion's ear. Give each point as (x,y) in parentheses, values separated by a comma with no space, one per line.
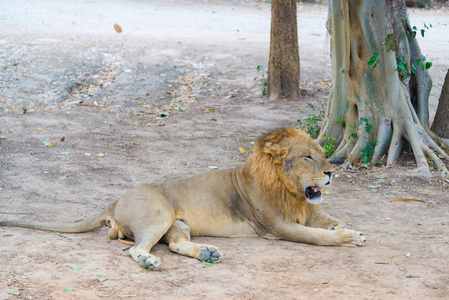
(275,150)
(271,144)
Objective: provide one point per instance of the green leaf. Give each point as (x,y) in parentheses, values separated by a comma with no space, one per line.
(68,289)
(46,144)
(373,186)
(182,109)
(407,254)
(393,233)
(428,65)
(368,127)
(208,263)
(101,279)
(64,153)
(422,32)
(77,268)
(373,60)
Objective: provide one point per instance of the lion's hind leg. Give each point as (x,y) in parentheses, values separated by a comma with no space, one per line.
(145,215)
(178,240)
(145,239)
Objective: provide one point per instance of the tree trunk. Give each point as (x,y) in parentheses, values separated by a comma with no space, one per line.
(283,65)
(441,122)
(375,108)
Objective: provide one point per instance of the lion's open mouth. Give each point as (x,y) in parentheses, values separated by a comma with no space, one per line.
(313,194)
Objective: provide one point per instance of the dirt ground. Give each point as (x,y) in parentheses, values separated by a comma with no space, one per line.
(87,113)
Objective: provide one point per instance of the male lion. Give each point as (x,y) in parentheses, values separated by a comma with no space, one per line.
(275,195)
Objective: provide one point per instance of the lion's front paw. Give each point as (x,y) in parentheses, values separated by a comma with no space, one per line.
(336,226)
(151,263)
(210,254)
(351,237)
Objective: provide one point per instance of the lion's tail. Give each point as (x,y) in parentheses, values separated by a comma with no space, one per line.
(92,223)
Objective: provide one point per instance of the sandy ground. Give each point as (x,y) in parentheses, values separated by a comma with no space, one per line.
(100,99)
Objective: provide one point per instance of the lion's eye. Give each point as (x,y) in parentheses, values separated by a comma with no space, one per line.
(309,157)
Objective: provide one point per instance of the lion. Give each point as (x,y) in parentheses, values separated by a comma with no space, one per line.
(275,195)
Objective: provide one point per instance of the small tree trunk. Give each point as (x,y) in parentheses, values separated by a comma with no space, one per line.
(283,66)
(441,122)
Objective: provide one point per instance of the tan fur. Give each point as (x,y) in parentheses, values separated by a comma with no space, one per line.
(265,198)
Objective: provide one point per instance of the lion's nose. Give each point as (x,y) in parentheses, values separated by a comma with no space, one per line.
(330,176)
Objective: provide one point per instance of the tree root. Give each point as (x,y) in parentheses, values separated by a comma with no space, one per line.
(395,103)
(390,138)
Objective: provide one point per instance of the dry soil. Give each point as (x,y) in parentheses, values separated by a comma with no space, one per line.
(87,113)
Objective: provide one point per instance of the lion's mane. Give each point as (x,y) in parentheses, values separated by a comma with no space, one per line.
(267,171)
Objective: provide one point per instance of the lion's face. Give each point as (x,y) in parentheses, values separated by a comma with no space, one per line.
(289,166)
(306,167)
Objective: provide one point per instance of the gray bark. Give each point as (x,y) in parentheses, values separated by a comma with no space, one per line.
(395,106)
(441,121)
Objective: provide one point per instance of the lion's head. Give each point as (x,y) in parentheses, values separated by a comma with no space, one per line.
(290,168)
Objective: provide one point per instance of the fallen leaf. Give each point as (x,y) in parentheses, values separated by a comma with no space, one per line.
(13,293)
(63,139)
(407,254)
(50,143)
(77,268)
(393,233)
(68,289)
(373,186)
(101,279)
(40,129)
(242,150)
(64,153)
(327,192)
(212,167)
(400,200)
(117,28)
(100,154)
(208,263)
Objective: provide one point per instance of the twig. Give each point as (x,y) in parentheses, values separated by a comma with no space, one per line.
(400,200)
(109,295)
(16,213)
